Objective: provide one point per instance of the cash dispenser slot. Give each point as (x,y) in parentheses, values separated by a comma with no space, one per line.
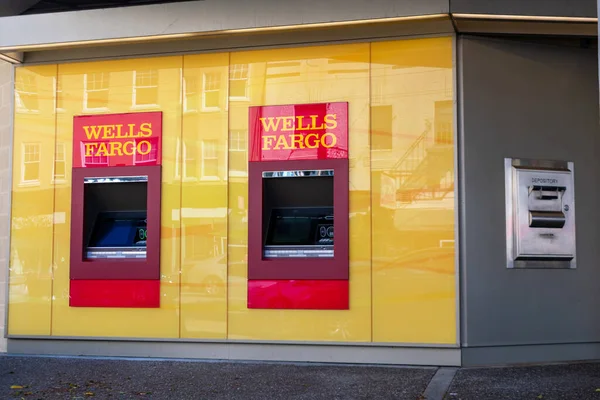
(298,214)
(115,217)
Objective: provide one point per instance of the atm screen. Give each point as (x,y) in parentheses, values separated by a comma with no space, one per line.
(118,235)
(300,232)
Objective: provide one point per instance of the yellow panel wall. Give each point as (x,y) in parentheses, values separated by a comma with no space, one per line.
(412,150)
(294,76)
(118,87)
(30,279)
(402,272)
(204,197)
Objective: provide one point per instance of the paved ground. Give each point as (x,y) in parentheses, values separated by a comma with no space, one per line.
(32,378)
(68,378)
(550,382)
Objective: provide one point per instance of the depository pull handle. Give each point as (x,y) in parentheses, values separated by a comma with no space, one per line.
(546,219)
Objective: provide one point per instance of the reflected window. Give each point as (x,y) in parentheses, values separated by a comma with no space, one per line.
(95,93)
(443,122)
(190,160)
(145,154)
(381,127)
(190,94)
(283,69)
(96,161)
(210,161)
(30,173)
(340,66)
(238,82)
(211,87)
(26,97)
(238,154)
(145,88)
(59,95)
(60,162)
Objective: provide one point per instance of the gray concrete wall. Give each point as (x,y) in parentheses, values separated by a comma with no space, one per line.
(564,8)
(528,100)
(6,117)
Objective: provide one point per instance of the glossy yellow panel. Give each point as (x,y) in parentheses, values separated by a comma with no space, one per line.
(295,76)
(412,162)
(30,281)
(117,87)
(203,170)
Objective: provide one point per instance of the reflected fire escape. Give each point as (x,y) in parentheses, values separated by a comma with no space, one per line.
(425,171)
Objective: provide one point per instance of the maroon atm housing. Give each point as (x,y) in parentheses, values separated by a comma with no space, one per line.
(298,207)
(115,219)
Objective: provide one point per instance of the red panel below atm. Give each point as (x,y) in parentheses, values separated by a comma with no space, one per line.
(298,294)
(115,293)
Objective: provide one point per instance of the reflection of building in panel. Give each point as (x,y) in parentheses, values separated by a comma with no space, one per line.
(211,91)
(210,159)
(190,160)
(145,88)
(60,166)
(96,91)
(191,94)
(238,153)
(417,158)
(443,122)
(238,82)
(30,172)
(26,96)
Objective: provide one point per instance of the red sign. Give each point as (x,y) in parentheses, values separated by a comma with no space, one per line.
(298,132)
(113,140)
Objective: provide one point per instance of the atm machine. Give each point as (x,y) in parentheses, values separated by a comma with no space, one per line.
(115,214)
(298,211)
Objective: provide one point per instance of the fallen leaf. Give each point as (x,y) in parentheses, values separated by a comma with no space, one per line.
(16,387)
(540,396)
(597,390)
(88,393)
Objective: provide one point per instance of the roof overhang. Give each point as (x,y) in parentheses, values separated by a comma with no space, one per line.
(209,25)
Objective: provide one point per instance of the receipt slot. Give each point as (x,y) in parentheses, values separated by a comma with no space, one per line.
(540,214)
